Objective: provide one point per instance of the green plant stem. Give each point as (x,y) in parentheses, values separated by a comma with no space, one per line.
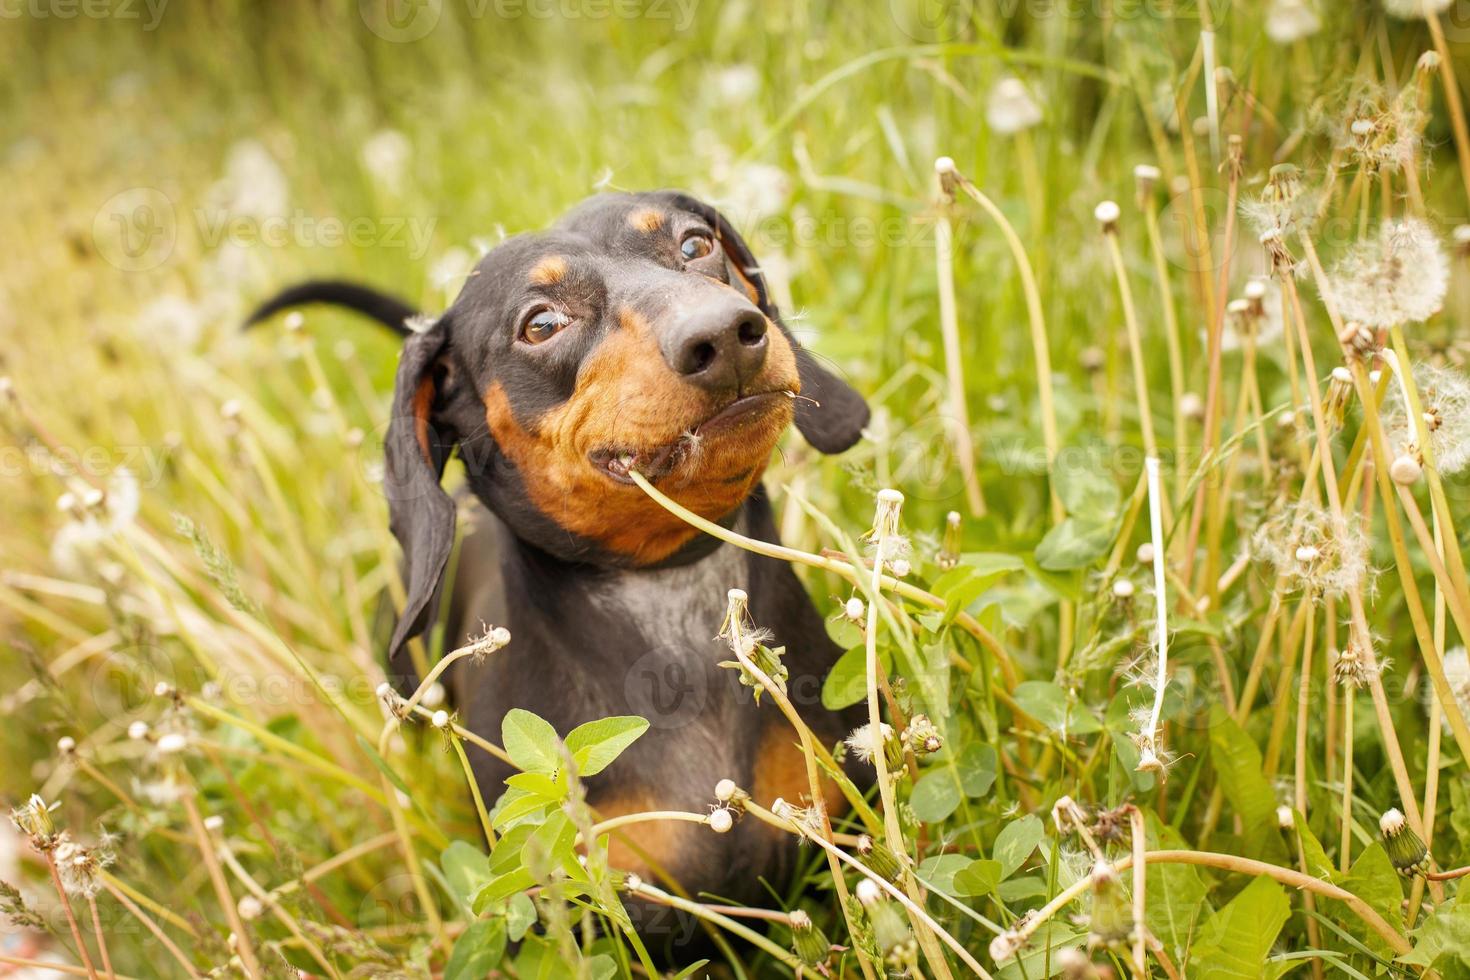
(474,784)
(153,927)
(949,331)
(71,916)
(842,569)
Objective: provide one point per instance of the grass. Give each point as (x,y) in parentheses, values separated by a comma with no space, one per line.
(196,545)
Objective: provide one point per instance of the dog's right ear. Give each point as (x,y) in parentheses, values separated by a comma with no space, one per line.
(422,516)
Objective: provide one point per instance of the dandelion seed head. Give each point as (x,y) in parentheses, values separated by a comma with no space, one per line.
(1288,21)
(1415,9)
(862,743)
(1314,551)
(720,821)
(1399,277)
(1010,107)
(1444,396)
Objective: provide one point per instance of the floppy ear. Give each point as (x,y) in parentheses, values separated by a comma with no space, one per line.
(420,513)
(833,419)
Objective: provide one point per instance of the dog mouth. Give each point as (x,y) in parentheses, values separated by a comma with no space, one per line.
(657,462)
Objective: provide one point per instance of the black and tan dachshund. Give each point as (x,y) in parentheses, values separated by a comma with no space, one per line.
(637,333)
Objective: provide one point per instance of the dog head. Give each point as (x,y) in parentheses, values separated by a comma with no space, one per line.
(636,334)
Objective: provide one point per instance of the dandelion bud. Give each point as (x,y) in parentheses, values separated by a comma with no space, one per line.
(1191,405)
(725,790)
(385,691)
(720,821)
(783,809)
(886,520)
(138,730)
(214,823)
(1255,290)
(853,609)
(33,818)
(879,859)
(1339,396)
(890,929)
(900,568)
(1107,214)
(1405,470)
(1123,589)
(433,696)
(1149,761)
(1111,922)
(1145,553)
(944,166)
(810,944)
(1285,817)
(863,743)
(949,551)
(1092,359)
(66,745)
(921,737)
(1006,945)
(1075,965)
(1145,178)
(172,744)
(1307,553)
(868,892)
(230,410)
(163,689)
(440,719)
(1405,848)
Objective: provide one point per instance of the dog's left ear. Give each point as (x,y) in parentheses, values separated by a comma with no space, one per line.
(830,413)
(420,513)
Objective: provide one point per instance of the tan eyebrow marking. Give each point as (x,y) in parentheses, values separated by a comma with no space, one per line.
(549,271)
(646,220)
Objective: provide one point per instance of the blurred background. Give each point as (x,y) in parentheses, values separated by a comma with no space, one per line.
(166,165)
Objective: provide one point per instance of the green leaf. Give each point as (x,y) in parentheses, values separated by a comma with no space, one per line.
(1049,704)
(1443,940)
(477,951)
(847,681)
(1087,491)
(597,744)
(503,887)
(520,916)
(1244,783)
(690,970)
(939,871)
(1016,841)
(1074,543)
(936,794)
(1373,879)
(536,784)
(1175,895)
(976,767)
(514,804)
(602,967)
(1234,943)
(466,868)
(977,879)
(530,741)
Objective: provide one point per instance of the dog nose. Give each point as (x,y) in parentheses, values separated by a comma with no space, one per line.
(719,347)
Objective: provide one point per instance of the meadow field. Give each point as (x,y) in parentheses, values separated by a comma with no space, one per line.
(1162,310)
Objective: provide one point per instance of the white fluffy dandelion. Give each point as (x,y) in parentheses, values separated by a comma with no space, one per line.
(1399,277)
(1291,20)
(1415,9)
(861,743)
(1444,395)
(1011,107)
(1323,558)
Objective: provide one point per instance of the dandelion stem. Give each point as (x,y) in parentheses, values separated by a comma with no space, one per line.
(243,947)
(949,330)
(1161,626)
(1454,106)
(1135,343)
(101,939)
(153,927)
(71,917)
(842,569)
(469,777)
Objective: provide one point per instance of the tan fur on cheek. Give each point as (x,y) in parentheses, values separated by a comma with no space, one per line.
(626,397)
(780,773)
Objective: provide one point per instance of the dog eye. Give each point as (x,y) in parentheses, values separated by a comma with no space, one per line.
(542,325)
(696,245)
